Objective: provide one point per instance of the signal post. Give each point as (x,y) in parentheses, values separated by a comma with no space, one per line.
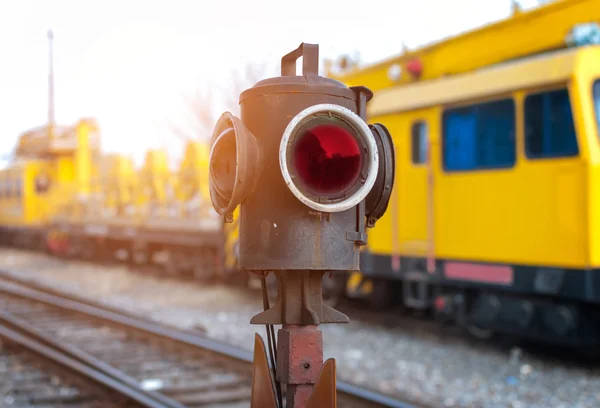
(310,175)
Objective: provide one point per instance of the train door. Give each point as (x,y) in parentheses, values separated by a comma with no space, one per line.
(400,247)
(415,228)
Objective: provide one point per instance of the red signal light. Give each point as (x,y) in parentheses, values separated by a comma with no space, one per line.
(415,67)
(327,159)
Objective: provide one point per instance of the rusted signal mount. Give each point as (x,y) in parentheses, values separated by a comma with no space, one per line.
(301,148)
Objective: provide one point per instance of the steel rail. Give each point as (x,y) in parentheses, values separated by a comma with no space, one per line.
(346,391)
(33,284)
(64,361)
(26,329)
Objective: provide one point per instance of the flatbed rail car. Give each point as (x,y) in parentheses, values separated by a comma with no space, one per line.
(148,217)
(494,221)
(180,246)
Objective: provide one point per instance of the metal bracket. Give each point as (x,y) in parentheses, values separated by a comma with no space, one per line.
(363,95)
(359,236)
(320,215)
(263,395)
(299,301)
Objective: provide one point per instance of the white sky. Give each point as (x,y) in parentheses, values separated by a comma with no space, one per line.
(128,63)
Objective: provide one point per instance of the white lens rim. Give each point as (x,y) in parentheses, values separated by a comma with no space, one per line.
(365,133)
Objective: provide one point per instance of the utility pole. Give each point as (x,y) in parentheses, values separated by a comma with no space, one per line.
(50,86)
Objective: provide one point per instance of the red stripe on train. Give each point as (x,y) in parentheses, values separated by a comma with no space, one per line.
(496,274)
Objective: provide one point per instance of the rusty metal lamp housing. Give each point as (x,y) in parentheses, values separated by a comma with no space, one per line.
(307,171)
(284,225)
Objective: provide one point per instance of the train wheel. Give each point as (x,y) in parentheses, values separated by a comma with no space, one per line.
(73,249)
(479,332)
(140,257)
(203,266)
(171,266)
(87,250)
(201,271)
(381,297)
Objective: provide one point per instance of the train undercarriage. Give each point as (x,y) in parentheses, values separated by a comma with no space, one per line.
(550,305)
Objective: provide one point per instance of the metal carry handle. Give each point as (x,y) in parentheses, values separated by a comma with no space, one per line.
(310,60)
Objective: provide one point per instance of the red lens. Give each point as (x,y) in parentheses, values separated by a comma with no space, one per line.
(327,159)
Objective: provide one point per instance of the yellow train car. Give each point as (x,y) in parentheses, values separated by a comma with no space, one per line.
(493,221)
(22,205)
(50,170)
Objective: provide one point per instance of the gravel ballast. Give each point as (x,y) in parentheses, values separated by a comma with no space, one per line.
(423,365)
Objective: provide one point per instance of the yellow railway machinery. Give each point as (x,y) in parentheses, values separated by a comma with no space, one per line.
(117,187)
(107,222)
(192,175)
(50,169)
(149,216)
(180,232)
(493,223)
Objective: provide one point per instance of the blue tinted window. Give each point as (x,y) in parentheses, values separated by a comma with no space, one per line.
(549,128)
(597,103)
(480,136)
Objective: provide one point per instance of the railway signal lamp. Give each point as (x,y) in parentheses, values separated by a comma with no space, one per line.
(309,175)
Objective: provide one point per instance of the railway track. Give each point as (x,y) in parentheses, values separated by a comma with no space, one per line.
(169,367)
(33,375)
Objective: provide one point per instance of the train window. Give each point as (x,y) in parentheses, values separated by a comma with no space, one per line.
(549,128)
(8,190)
(42,184)
(481,136)
(419,142)
(18,185)
(596,92)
